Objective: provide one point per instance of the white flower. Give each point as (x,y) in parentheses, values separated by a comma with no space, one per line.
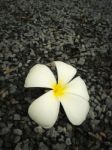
(72,94)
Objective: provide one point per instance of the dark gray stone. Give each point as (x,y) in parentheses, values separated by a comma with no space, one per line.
(109,102)
(13,88)
(60,129)
(68,141)
(69,127)
(17,117)
(17,139)
(52,133)
(110,148)
(5,131)
(18,146)
(17,131)
(81,61)
(61,139)
(59,146)
(1,142)
(25,146)
(39,129)
(42,146)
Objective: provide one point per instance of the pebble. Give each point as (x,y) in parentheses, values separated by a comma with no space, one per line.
(17,131)
(20,65)
(104,96)
(96,146)
(61,139)
(59,146)
(95,122)
(26,146)
(17,117)
(104,108)
(60,129)
(39,129)
(13,88)
(1,142)
(109,102)
(17,139)
(81,61)
(98,109)
(52,133)
(18,146)
(68,141)
(4,131)
(92,89)
(10,125)
(42,146)
(69,127)
(91,114)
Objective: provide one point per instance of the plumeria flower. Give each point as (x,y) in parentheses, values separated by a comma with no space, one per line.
(72,94)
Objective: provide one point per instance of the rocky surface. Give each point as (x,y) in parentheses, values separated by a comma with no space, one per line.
(78,32)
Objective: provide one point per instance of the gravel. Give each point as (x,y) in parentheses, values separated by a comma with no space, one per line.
(78,32)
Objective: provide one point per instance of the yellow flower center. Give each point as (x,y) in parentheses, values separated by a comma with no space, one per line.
(59,89)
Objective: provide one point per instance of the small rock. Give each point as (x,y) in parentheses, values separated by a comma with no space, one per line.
(16,117)
(110,148)
(17,139)
(12,88)
(39,129)
(20,65)
(68,141)
(61,139)
(91,114)
(60,129)
(69,127)
(109,113)
(42,146)
(96,146)
(109,102)
(4,131)
(98,109)
(52,133)
(92,89)
(18,146)
(4,94)
(17,131)
(59,146)
(25,146)
(32,53)
(95,122)
(1,142)
(10,125)
(81,61)
(103,108)
(104,96)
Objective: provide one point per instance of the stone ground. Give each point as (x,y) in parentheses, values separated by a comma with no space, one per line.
(78,32)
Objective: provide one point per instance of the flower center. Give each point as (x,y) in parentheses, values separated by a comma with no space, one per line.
(59,89)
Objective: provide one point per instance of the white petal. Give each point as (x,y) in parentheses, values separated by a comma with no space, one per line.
(78,87)
(75,108)
(40,76)
(65,71)
(44,110)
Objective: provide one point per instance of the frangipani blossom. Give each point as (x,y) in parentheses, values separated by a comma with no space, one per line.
(72,94)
